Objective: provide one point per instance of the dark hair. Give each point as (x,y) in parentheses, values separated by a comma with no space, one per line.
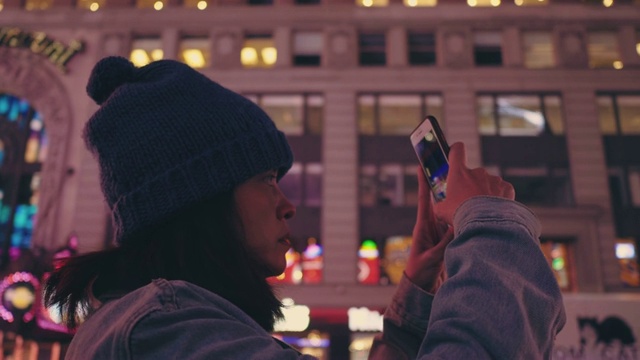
(201,245)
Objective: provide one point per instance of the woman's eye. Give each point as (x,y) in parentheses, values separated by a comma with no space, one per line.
(271,178)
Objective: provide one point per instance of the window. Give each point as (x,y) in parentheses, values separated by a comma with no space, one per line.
(294,115)
(531,2)
(307,48)
(522,139)
(303,184)
(92,5)
(258,51)
(603,50)
(372,3)
(260,2)
(520,115)
(307,2)
(372,50)
(19,170)
(487,48)
(540,186)
(422,48)
(145,50)
(195,51)
(483,3)
(560,257)
(538,50)
(627,255)
(420,3)
(619,114)
(390,184)
(37,4)
(396,114)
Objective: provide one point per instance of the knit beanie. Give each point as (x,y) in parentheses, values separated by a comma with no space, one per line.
(167,137)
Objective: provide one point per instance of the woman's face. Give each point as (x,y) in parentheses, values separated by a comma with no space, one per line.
(263,211)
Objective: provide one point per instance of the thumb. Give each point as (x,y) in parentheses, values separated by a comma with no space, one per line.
(425,205)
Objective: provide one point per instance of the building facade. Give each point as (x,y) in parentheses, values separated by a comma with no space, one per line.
(545,94)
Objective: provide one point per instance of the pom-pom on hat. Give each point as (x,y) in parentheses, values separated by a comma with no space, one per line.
(167,137)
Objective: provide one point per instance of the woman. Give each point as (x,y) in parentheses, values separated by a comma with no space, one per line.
(190,172)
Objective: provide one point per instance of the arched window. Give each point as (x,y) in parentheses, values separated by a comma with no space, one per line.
(23,148)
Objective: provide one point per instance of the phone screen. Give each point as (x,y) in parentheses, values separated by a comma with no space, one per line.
(431,149)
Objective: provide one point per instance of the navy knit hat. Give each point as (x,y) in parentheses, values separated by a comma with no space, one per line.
(167,137)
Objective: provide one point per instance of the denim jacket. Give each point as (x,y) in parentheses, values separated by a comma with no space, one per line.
(500,301)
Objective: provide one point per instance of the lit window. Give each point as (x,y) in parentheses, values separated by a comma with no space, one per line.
(366,115)
(606,115)
(422,48)
(638,42)
(195,52)
(619,114)
(92,5)
(420,3)
(396,114)
(531,2)
(538,50)
(372,50)
(145,50)
(559,256)
(372,3)
(603,50)
(483,3)
(258,51)
(19,189)
(629,112)
(628,261)
(295,114)
(307,48)
(519,115)
(315,114)
(286,111)
(487,48)
(38,4)
(399,114)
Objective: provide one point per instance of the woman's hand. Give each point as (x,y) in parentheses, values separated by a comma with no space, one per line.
(464,183)
(430,238)
(434,230)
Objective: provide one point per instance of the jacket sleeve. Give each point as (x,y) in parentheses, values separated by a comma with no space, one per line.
(501,299)
(405,323)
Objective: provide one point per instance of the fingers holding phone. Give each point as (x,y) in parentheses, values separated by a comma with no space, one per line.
(464,183)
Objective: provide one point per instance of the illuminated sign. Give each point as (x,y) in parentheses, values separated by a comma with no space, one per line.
(296,317)
(363,319)
(39,43)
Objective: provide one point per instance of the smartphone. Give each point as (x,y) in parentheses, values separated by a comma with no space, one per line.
(432,149)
